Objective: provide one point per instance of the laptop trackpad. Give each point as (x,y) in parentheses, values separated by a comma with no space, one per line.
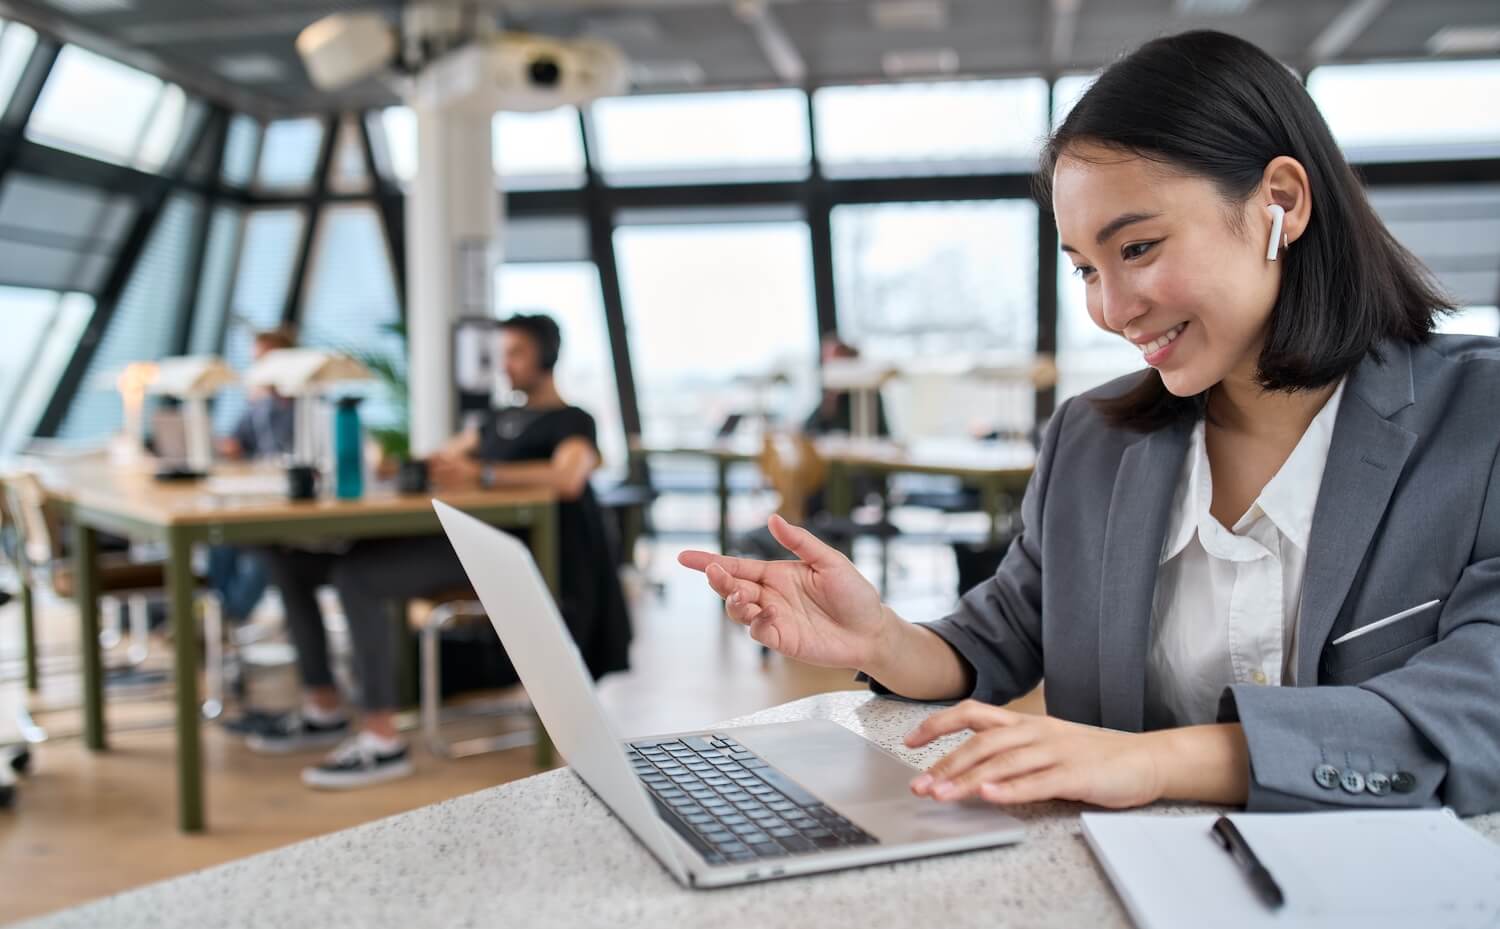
(864,782)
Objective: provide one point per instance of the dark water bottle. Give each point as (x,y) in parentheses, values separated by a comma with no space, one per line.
(348,450)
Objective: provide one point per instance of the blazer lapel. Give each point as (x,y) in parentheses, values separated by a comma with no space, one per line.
(1365,461)
(1139,510)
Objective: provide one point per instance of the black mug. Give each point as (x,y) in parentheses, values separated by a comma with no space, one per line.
(411,476)
(301,482)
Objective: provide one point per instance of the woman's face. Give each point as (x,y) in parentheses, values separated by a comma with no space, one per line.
(1164,267)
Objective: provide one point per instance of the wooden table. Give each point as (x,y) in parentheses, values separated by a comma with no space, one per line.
(100,496)
(997,468)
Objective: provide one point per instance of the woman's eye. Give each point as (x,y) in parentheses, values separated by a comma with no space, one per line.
(1082,271)
(1136,249)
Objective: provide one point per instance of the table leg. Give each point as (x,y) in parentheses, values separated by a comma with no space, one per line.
(992,500)
(723,476)
(885,539)
(86,591)
(841,498)
(28,634)
(180,583)
(544,548)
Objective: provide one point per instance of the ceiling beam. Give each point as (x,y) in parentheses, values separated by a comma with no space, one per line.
(1062,26)
(780,51)
(1348,25)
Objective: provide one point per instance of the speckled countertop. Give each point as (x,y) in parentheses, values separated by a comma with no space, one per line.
(545,852)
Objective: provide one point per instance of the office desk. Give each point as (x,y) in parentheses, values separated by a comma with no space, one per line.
(100,496)
(998,468)
(545,852)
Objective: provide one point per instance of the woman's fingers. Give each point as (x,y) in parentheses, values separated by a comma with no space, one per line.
(976,751)
(745,568)
(997,769)
(802,543)
(970,714)
(1054,783)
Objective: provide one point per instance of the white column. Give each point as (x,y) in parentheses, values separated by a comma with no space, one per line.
(452,219)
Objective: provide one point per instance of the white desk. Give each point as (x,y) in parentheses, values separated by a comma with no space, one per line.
(545,852)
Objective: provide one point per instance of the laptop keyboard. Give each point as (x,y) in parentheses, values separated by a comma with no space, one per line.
(732,806)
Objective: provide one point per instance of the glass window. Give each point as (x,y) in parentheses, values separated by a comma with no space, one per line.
(949,128)
(350,303)
(16,44)
(711,307)
(289,154)
(59,236)
(143,325)
(43,329)
(683,138)
(1472,320)
(1409,110)
(530,151)
(347,174)
(1066,92)
(240,148)
(163,132)
(536,151)
(94,106)
(268,253)
(934,278)
(213,287)
(1454,230)
(569,292)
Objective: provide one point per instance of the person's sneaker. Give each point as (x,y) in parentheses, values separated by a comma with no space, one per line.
(361,761)
(294,732)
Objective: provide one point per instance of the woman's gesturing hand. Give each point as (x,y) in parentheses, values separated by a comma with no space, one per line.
(818,609)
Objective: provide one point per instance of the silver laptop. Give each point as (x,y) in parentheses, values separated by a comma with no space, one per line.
(717,807)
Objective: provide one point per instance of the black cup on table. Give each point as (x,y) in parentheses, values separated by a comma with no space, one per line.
(301,482)
(411,476)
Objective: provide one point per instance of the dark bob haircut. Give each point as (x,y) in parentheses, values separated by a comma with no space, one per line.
(543,332)
(1214,106)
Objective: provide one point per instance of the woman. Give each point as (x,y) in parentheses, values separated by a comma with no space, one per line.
(1301,464)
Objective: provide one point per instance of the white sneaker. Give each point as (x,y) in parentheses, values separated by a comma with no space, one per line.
(360,761)
(294,733)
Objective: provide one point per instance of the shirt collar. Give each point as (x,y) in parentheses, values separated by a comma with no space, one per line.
(1288,499)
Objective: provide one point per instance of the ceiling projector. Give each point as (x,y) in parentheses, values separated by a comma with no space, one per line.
(509,70)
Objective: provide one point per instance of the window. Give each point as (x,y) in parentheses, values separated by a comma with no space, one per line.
(59,236)
(568,291)
(16,44)
(350,301)
(954,127)
(934,278)
(144,324)
(347,173)
(262,280)
(1411,110)
(289,154)
(1454,230)
(101,108)
(529,151)
(42,330)
(752,135)
(711,307)
(213,287)
(240,149)
(1066,92)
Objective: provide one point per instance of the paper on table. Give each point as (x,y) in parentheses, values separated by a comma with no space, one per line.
(246,485)
(1370,869)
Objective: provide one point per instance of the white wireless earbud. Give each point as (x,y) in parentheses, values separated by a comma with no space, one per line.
(1278,214)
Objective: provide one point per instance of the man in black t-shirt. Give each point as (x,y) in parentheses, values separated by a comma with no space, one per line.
(545,442)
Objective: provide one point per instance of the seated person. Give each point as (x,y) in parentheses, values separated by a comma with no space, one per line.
(546,442)
(835,412)
(264,431)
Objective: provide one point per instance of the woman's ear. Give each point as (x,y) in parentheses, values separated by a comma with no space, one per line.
(1285,184)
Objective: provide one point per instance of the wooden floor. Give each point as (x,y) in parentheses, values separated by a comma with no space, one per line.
(87,825)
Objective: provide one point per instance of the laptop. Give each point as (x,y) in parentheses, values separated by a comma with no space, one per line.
(724,806)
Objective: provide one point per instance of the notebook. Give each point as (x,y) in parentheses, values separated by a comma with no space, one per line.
(1360,869)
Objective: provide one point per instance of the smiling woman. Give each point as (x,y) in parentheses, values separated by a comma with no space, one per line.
(1220,554)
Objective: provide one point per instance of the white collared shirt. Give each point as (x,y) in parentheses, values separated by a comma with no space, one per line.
(1226,603)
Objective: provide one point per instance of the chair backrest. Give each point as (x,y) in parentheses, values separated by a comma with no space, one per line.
(35,529)
(794,469)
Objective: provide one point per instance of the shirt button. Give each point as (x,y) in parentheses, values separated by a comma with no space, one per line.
(1353,782)
(1259,677)
(1326,775)
(1378,784)
(1403,782)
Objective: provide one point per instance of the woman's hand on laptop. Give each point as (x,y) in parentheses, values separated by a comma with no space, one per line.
(818,609)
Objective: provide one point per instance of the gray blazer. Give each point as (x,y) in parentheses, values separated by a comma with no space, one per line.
(1408,511)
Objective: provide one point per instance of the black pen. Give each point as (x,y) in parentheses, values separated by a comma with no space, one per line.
(1225,833)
